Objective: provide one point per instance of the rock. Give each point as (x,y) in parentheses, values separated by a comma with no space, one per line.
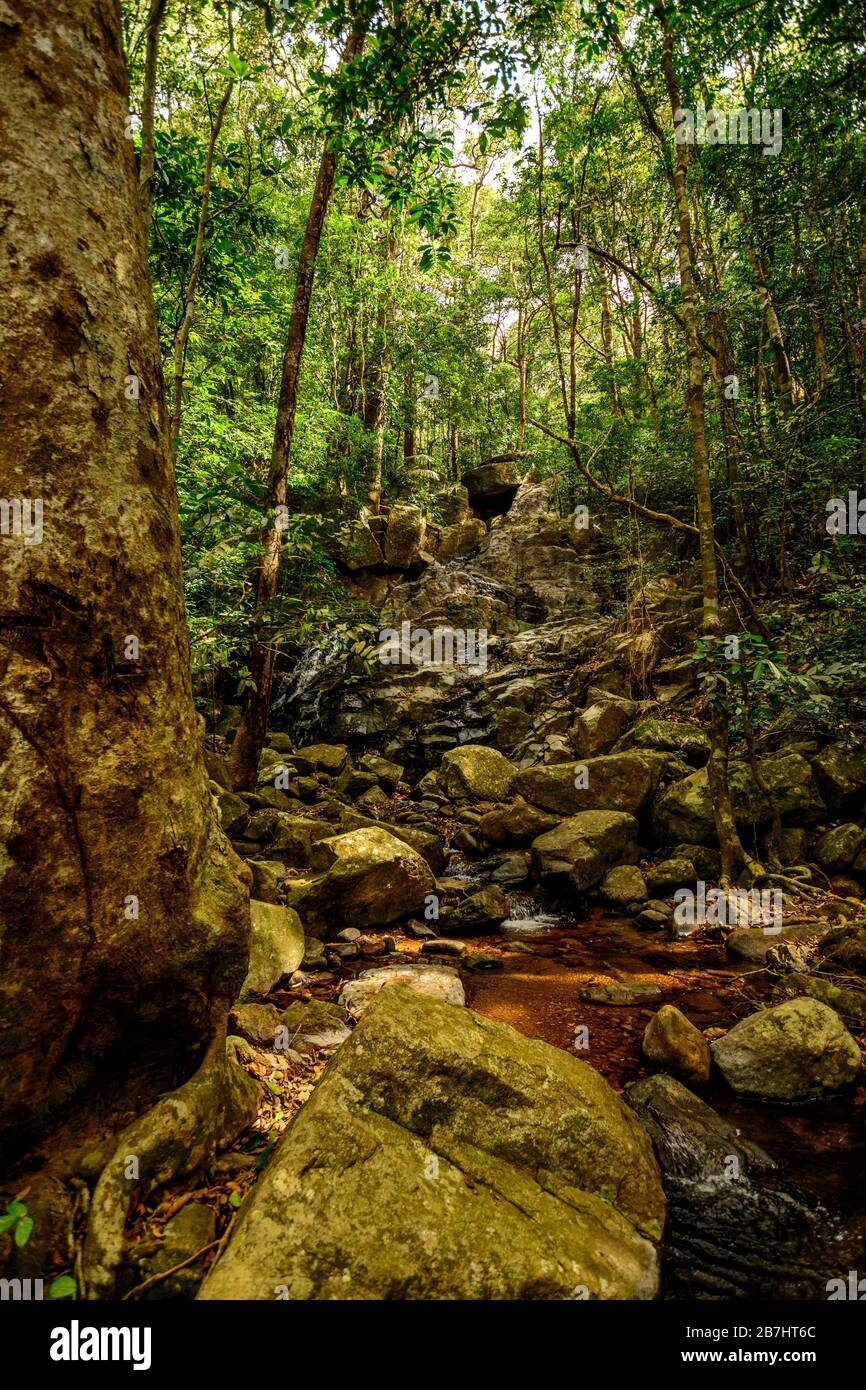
(513,1172)
(707,862)
(653,916)
(314,955)
(293,837)
(185,1234)
(841,776)
(735,1230)
(217,769)
(687,741)
(267,879)
(838,848)
(420,931)
(451,503)
(517,824)
(460,538)
(316,1023)
(404,537)
(367,878)
(581,850)
(684,810)
(357,548)
(670,874)
(672,1042)
(478,772)
(844,949)
(373,799)
(352,782)
(443,947)
(388,773)
(438,982)
(478,913)
(849,1003)
(510,868)
(276,948)
(623,886)
(319,757)
(796,1051)
(492,485)
(616,782)
(622,994)
(598,727)
(753,943)
(233,812)
(347,934)
(257,1023)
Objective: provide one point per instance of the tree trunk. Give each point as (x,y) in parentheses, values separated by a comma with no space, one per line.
(253,727)
(125,914)
(148,103)
(733,854)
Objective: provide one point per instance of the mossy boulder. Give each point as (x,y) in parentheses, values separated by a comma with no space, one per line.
(672,1042)
(684,810)
(517,824)
(614,782)
(478,772)
(512,1171)
(688,741)
(366,878)
(579,852)
(796,1051)
(276,948)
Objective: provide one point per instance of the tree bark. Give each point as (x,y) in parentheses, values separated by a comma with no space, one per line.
(253,727)
(125,913)
(148,103)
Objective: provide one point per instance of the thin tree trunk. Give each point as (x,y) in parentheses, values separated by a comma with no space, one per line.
(253,728)
(148,103)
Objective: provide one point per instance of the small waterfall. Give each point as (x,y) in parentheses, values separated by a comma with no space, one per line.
(298,693)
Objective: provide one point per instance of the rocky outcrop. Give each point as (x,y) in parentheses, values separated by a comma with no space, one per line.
(512,1170)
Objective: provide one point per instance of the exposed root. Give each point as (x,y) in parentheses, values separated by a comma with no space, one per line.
(179,1135)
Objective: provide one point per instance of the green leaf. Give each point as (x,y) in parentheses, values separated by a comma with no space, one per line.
(23,1229)
(64,1286)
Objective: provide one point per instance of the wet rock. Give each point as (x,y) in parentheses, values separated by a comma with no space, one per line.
(735,1229)
(622,994)
(438,982)
(672,1042)
(653,916)
(478,913)
(314,955)
(478,772)
(579,852)
(486,1141)
(796,1051)
(276,948)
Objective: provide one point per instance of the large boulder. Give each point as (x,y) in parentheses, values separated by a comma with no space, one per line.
(579,852)
(480,912)
(276,948)
(366,878)
(841,776)
(460,538)
(684,810)
(517,824)
(797,1051)
(492,485)
(512,1171)
(356,547)
(617,782)
(688,741)
(478,772)
(404,537)
(597,727)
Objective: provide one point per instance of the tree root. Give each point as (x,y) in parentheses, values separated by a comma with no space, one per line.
(177,1136)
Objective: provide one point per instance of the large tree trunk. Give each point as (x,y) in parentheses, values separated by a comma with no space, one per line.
(253,727)
(125,912)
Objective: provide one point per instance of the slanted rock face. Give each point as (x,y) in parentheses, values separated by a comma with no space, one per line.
(798,1051)
(404,537)
(618,782)
(367,878)
(684,810)
(512,1171)
(581,850)
(477,771)
(276,948)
